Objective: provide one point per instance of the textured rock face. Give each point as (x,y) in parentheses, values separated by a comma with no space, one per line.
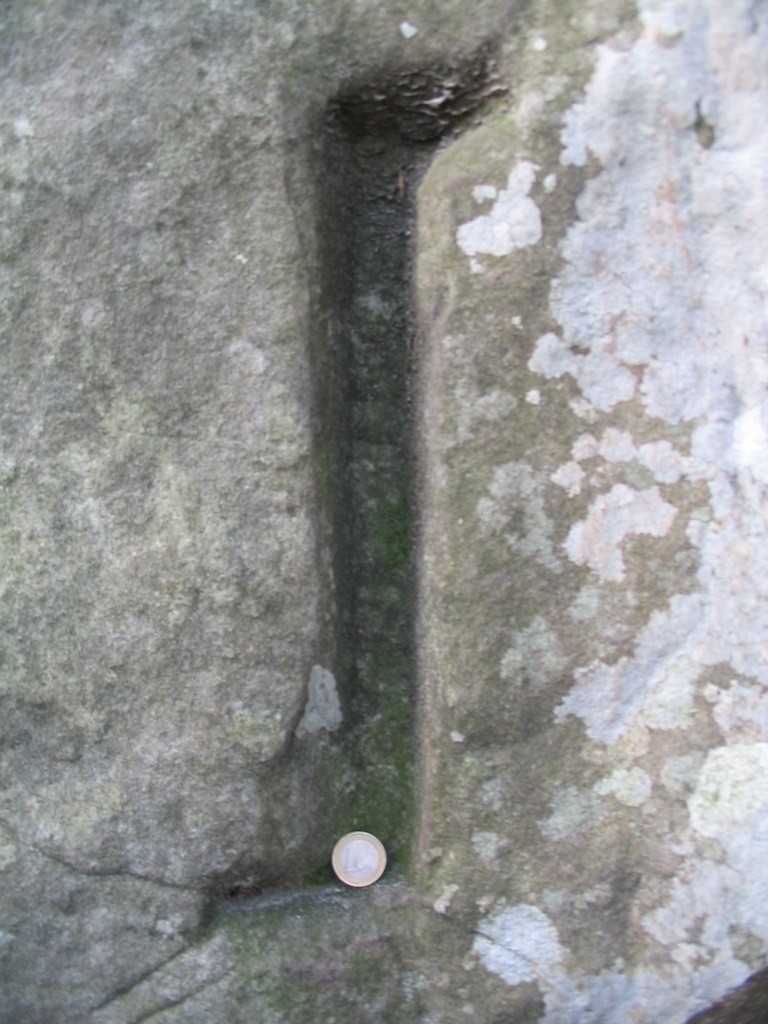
(220,418)
(160,587)
(608,715)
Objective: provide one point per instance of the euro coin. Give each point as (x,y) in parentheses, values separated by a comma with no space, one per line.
(359,859)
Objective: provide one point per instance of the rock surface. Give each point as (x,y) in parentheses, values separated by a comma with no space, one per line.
(608,783)
(249,550)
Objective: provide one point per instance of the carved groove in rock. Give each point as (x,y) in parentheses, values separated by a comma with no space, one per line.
(378,141)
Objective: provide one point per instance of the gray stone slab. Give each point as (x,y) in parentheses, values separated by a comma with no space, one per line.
(382,445)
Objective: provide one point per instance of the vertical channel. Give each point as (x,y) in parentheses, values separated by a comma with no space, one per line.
(367,268)
(378,141)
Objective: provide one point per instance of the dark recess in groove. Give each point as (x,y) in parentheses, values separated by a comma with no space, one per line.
(379,139)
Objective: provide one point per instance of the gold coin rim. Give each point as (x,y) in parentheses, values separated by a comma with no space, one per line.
(375,843)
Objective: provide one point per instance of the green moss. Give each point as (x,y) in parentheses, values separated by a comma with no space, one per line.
(382,803)
(368,973)
(392,532)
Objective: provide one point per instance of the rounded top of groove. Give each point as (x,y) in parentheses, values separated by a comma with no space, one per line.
(417,104)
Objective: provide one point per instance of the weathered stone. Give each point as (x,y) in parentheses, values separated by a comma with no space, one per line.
(590,629)
(263,523)
(174,580)
(161,595)
(71,939)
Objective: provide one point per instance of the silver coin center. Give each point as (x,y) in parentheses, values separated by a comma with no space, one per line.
(359,859)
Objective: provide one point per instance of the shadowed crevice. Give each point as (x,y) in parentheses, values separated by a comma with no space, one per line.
(379,139)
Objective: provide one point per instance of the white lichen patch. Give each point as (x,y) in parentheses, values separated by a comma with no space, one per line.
(517,495)
(586,446)
(583,409)
(323,709)
(741,712)
(169,927)
(613,517)
(732,789)
(513,222)
(519,944)
(586,604)
(664,461)
(535,656)
(483,193)
(673,697)
(724,624)
(695,904)
(474,408)
(661,458)
(492,793)
(663,282)
(487,846)
(643,220)
(602,378)
(573,812)
(710,898)
(617,446)
(750,441)
(656,685)
(443,901)
(630,786)
(569,476)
